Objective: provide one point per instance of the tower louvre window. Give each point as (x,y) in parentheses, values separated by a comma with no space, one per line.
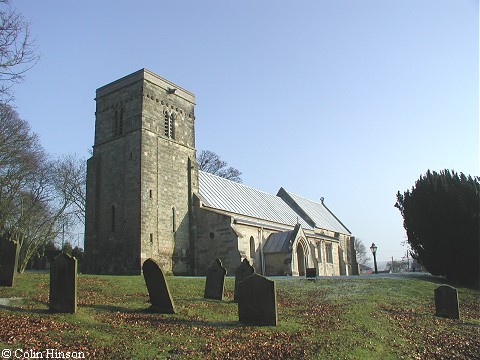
(169,125)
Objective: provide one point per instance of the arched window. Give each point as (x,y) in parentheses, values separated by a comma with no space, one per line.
(169,125)
(252,247)
(120,122)
(301,258)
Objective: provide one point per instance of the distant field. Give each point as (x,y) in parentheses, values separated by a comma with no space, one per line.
(380,317)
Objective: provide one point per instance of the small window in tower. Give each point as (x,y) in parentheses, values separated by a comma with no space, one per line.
(167,123)
(115,124)
(173,219)
(150,194)
(151,238)
(120,123)
(113,218)
(172,126)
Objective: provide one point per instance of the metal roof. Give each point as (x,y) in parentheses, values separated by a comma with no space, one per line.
(278,242)
(320,214)
(222,194)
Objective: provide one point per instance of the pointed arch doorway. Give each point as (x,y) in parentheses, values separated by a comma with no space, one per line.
(301,260)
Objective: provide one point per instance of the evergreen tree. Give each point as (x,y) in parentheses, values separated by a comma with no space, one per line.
(441,218)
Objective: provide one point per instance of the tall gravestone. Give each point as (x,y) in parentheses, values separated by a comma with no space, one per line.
(446,302)
(63,284)
(8,262)
(257,301)
(157,287)
(215,283)
(241,273)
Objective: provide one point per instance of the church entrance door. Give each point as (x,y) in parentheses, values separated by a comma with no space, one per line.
(301,260)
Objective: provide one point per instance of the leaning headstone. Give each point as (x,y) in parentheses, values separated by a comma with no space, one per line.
(63,284)
(157,286)
(242,272)
(257,301)
(8,262)
(446,302)
(311,273)
(215,282)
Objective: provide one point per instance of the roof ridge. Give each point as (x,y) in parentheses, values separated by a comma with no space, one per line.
(236,183)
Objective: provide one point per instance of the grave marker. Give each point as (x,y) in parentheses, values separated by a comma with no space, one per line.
(241,273)
(157,286)
(63,284)
(214,285)
(257,301)
(8,262)
(446,302)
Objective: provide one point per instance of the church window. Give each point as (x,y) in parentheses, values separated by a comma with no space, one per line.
(319,252)
(113,218)
(252,247)
(120,123)
(115,123)
(169,125)
(150,193)
(151,238)
(173,219)
(329,253)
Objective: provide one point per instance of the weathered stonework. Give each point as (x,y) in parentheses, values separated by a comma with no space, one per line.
(143,198)
(140,178)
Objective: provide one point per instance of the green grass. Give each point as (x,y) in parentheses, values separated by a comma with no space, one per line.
(337,318)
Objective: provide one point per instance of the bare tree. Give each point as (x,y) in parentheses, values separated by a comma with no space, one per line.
(17,49)
(210,162)
(362,252)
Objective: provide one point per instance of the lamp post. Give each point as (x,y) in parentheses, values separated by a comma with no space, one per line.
(373,248)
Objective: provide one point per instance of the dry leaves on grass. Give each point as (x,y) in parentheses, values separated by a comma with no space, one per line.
(431,337)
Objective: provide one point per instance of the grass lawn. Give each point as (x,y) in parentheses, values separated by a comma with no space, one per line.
(330,318)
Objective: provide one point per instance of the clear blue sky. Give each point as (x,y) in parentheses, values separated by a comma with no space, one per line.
(343,99)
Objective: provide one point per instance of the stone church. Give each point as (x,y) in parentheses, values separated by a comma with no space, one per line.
(146,198)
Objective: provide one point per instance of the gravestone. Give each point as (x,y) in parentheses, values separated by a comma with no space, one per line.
(311,273)
(241,273)
(215,282)
(446,302)
(8,262)
(157,287)
(257,301)
(63,284)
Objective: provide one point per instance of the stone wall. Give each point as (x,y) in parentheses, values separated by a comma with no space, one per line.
(141,177)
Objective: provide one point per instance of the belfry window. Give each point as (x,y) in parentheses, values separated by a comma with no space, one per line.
(118,123)
(169,125)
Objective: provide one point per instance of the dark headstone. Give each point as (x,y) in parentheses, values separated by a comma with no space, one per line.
(257,301)
(8,262)
(63,284)
(157,286)
(215,282)
(311,273)
(446,302)
(242,272)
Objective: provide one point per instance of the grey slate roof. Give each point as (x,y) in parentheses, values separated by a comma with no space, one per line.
(222,194)
(227,195)
(278,242)
(317,212)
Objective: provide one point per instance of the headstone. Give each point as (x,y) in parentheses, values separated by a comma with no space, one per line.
(242,272)
(446,302)
(157,286)
(257,301)
(8,262)
(63,284)
(215,282)
(311,273)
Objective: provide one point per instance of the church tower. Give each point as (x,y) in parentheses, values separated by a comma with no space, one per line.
(141,177)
